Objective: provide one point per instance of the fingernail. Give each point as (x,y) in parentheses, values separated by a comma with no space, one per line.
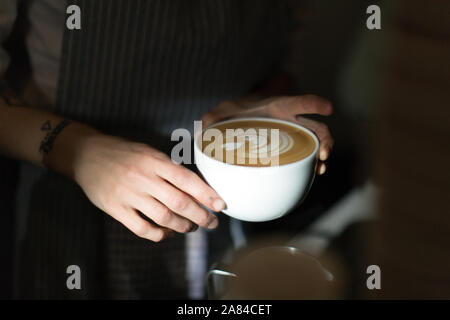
(323,155)
(218,205)
(323,168)
(213,222)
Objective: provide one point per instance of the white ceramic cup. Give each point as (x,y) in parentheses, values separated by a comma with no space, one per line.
(259,193)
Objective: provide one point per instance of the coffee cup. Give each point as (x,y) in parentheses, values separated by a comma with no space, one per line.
(258,190)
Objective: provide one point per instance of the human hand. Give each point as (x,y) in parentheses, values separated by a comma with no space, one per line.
(288,108)
(123,178)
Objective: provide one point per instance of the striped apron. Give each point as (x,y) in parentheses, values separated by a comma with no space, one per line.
(138,69)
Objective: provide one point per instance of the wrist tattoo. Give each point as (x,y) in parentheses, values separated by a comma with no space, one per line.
(52,132)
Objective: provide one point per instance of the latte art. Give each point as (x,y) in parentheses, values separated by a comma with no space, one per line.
(256,143)
(257,189)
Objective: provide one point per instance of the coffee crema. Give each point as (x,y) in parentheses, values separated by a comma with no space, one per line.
(256,143)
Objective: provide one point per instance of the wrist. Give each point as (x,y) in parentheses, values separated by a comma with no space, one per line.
(68,149)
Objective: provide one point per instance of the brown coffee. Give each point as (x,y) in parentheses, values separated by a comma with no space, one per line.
(256,143)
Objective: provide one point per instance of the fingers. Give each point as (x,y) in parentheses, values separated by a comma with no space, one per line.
(322,132)
(144,229)
(321,168)
(306,104)
(279,107)
(162,215)
(182,204)
(192,184)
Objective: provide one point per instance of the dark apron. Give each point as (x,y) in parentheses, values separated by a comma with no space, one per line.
(139,69)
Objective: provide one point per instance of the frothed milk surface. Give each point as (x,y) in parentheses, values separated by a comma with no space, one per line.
(257,143)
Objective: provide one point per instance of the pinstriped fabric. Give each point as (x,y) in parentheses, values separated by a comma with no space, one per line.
(189,56)
(56,226)
(140,69)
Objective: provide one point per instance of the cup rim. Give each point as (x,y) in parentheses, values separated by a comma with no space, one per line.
(293,124)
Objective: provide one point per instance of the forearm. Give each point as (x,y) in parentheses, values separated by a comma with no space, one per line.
(40,137)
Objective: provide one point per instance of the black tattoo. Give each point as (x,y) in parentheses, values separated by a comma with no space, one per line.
(46,126)
(47,143)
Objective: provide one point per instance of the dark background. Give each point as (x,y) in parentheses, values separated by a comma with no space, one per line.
(332,29)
